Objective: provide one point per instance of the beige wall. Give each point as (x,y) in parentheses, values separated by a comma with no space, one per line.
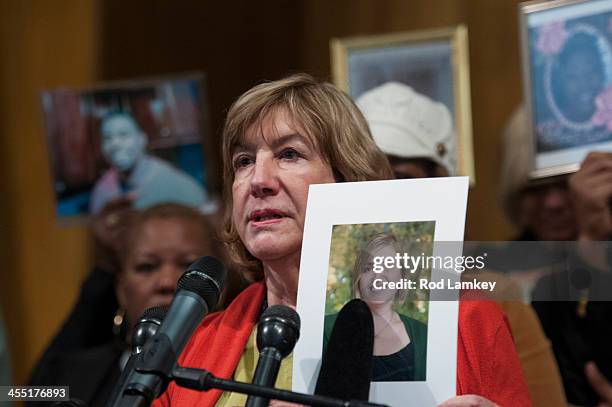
(75,42)
(44,44)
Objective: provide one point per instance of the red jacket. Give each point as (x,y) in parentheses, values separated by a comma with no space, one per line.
(487,362)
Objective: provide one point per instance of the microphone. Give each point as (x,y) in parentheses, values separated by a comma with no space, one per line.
(346,368)
(277,332)
(198,292)
(147,327)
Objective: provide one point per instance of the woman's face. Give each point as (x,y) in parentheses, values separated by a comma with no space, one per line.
(162,250)
(273,170)
(368,293)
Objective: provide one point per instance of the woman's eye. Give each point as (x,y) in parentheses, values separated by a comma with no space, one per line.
(145,268)
(242,161)
(289,154)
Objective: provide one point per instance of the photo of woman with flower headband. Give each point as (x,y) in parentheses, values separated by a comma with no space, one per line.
(571,81)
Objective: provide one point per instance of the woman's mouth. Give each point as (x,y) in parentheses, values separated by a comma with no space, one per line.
(266,216)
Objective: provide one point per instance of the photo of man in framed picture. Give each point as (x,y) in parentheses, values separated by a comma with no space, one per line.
(134,141)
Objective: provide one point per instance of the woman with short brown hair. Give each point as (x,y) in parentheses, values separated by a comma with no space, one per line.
(279,138)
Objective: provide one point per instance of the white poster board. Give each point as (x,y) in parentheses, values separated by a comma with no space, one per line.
(439,200)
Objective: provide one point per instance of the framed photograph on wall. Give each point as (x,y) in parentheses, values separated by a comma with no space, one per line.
(434,63)
(141,140)
(567,72)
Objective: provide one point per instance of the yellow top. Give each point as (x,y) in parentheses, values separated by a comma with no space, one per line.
(245,370)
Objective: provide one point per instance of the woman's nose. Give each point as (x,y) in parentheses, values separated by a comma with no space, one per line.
(168,277)
(264,181)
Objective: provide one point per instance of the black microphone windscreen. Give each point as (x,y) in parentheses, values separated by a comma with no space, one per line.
(346,369)
(205,277)
(278,328)
(277,333)
(147,326)
(281,311)
(156,313)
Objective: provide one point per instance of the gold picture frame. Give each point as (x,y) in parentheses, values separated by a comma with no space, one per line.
(449,81)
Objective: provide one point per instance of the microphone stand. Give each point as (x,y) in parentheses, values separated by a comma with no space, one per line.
(202,380)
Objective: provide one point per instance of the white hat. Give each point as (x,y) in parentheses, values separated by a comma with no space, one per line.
(407,124)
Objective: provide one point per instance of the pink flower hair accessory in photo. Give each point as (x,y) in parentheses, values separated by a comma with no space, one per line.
(551,38)
(603,104)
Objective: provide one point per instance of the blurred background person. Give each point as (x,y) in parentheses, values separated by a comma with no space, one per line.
(573,301)
(148,180)
(94,344)
(417,135)
(575,207)
(540,210)
(415,132)
(400,342)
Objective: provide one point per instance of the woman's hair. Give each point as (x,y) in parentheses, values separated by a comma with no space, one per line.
(327,115)
(166,211)
(515,164)
(363,262)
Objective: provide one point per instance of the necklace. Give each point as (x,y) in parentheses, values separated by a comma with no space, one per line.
(387,325)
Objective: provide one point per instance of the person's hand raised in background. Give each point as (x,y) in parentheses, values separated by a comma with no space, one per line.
(591,189)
